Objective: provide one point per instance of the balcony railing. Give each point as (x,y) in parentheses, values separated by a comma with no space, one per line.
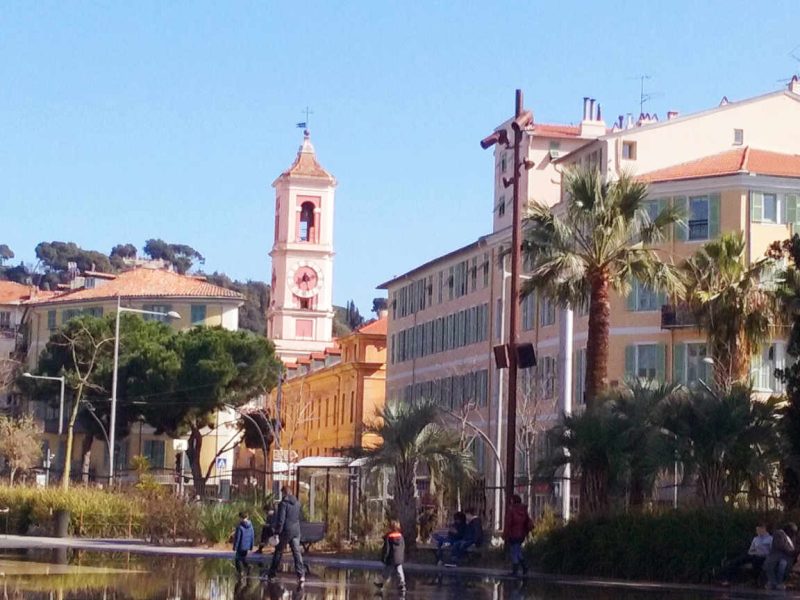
(677,316)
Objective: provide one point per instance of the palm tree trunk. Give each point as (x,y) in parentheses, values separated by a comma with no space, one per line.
(594,490)
(636,494)
(405,502)
(597,341)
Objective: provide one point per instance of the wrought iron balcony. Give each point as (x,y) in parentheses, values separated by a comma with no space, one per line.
(677,316)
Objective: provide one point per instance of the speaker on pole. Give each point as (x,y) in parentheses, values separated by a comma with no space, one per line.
(526,356)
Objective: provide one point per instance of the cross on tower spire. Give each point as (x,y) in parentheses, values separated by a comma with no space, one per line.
(304,125)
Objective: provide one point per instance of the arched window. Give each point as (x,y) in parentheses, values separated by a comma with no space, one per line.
(306,231)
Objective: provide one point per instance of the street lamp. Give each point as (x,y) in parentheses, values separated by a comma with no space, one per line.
(61,402)
(113,420)
(522,119)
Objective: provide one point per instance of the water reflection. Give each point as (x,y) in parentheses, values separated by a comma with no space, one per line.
(87,575)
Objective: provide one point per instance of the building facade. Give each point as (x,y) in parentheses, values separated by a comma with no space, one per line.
(732,168)
(198,303)
(328,396)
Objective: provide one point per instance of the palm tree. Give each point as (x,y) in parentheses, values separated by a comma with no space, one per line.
(729,442)
(598,244)
(733,302)
(413,436)
(639,407)
(592,442)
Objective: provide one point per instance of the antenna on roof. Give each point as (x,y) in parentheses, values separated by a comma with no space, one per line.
(644,97)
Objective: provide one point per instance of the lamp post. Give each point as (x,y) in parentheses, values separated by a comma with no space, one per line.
(522,118)
(113,419)
(61,401)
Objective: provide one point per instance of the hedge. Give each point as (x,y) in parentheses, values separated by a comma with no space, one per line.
(683,546)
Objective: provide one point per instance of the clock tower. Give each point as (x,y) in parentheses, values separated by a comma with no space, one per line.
(300,315)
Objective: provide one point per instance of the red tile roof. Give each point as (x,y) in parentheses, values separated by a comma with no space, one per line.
(739,160)
(552,130)
(146,283)
(306,165)
(11,292)
(374,327)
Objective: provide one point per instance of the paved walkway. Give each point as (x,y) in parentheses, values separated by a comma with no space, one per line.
(141,547)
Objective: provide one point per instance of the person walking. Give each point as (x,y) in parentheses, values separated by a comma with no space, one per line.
(243,540)
(268,530)
(518,525)
(393,555)
(287,528)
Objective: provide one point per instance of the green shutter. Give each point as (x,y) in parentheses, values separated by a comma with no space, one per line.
(663,204)
(713,215)
(631,299)
(791,213)
(682,228)
(630,362)
(756,207)
(679,363)
(661,362)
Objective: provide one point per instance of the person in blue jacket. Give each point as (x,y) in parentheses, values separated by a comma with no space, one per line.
(242,543)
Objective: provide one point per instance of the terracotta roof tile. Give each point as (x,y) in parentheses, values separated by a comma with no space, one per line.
(11,292)
(553,130)
(375,327)
(146,283)
(333,351)
(739,160)
(306,165)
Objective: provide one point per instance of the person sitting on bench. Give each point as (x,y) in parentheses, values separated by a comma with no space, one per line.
(756,555)
(455,534)
(473,536)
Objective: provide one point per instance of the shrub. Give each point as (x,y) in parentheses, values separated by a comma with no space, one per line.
(218,521)
(686,546)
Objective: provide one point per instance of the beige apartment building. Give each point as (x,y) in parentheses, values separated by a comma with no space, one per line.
(734,167)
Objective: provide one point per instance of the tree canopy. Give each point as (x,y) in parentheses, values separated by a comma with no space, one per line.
(181,256)
(6,253)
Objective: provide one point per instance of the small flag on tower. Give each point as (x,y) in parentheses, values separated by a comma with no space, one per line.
(301,125)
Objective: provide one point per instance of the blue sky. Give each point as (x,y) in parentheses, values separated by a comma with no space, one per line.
(128,120)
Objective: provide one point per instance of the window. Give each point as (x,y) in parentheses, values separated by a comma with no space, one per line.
(441,285)
(738,137)
(5,319)
(503,162)
(501,206)
(51,320)
(305,230)
(153,450)
(645,361)
(762,369)
(547,312)
(529,312)
(629,150)
(698,218)
(198,314)
(764,207)
(696,368)
(162,309)
(485,269)
(473,273)
(547,376)
(642,298)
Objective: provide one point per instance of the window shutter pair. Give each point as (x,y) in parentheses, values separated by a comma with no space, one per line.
(713,215)
(682,229)
(630,361)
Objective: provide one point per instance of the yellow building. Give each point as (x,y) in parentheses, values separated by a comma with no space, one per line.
(198,302)
(328,396)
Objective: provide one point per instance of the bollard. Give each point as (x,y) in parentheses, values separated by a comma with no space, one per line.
(62,523)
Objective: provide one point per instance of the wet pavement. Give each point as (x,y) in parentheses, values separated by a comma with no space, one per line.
(66,573)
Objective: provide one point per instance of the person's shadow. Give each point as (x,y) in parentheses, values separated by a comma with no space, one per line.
(276,591)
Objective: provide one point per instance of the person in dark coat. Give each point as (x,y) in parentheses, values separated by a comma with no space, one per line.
(473,536)
(454,534)
(393,555)
(243,540)
(517,527)
(287,528)
(268,530)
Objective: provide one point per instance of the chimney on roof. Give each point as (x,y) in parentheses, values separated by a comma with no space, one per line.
(621,121)
(585,108)
(629,121)
(724,101)
(794,84)
(672,114)
(383,313)
(599,113)
(591,109)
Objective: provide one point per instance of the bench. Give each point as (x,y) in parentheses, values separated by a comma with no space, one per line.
(311,532)
(472,554)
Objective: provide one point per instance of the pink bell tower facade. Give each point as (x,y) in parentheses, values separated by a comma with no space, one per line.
(300,316)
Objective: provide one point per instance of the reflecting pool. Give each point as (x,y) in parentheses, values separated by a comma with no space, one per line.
(62,574)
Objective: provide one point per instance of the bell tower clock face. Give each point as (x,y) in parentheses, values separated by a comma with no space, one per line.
(304,280)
